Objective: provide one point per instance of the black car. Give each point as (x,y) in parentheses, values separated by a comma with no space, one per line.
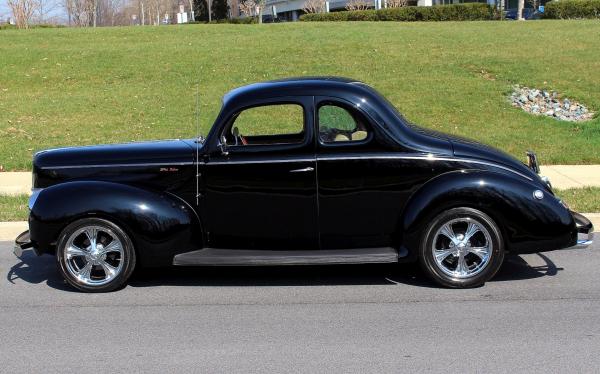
(293,172)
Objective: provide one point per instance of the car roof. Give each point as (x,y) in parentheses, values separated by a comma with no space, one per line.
(296,86)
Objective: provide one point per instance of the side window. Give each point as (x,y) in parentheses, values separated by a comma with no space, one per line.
(267,125)
(337,124)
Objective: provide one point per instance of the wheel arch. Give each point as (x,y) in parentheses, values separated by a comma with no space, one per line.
(159,224)
(524,221)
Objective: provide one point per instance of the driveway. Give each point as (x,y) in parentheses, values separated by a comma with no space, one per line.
(540,314)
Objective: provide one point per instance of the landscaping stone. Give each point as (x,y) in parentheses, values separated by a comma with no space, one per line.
(548,103)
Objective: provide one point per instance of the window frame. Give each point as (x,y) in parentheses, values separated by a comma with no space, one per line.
(352,110)
(306,127)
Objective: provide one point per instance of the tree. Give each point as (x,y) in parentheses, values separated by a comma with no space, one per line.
(314,6)
(23,11)
(396,3)
(80,12)
(219,9)
(44,9)
(357,5)
(247,8)
(520,7)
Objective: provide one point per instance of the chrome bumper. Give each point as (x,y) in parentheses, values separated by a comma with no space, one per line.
(585,230)
(22,242)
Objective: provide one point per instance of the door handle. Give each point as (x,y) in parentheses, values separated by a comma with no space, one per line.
(303,170)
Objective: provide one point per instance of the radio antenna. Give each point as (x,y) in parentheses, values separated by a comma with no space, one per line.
(198,139)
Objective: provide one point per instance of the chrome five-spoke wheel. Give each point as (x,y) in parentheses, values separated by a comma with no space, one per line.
(95,255)
(461,247)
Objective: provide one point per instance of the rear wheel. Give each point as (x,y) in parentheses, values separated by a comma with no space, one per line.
(461,248)
(95,255)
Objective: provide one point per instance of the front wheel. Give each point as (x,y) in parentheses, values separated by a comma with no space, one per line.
(95,255)
(461,248)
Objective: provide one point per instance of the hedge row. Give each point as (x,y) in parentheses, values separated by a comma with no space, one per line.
(565,9)
(458,12)
(7,26)
(236,21)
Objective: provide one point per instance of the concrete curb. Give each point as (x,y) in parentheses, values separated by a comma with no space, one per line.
(10,230)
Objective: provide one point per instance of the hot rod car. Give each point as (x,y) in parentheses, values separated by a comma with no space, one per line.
(296,171)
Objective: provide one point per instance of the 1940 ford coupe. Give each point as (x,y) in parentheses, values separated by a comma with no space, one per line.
(296,171)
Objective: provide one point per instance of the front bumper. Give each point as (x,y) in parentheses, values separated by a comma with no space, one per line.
(585,230)
(22,242)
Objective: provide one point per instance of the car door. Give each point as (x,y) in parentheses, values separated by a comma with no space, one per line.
(259,191)
(361,188)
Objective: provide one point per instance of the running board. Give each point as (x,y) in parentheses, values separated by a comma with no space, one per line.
(247,257)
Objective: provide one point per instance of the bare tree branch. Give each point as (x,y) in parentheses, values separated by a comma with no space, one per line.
(314,6)
(23,11)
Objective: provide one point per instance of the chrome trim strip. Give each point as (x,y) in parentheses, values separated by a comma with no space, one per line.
(319,158)
(117,165)
(427,158)
(259,161)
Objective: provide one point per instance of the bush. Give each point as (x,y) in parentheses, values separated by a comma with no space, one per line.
(7,26)
(566,9)
(458,12)
(235,21)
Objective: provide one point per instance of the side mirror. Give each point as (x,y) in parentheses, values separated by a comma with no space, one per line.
(223,146)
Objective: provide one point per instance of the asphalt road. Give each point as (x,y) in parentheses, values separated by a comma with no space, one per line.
(540,314)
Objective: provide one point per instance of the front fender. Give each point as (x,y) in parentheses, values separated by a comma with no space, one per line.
(160,225)
(527,224)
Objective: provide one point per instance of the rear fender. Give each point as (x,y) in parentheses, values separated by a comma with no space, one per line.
(527,224)
(160,225)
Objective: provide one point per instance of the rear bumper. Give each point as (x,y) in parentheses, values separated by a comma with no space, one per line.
(585,230)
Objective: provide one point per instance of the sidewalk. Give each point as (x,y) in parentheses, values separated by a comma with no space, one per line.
(15,183)
(572,176)
(561,177)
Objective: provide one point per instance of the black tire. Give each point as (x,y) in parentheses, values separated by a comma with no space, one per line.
(127,256)
(439,271)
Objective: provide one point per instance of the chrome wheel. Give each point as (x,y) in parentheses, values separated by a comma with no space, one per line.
(93,255)
(462,248)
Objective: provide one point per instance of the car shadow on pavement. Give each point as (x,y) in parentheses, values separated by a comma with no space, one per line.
(516,268)
(37,269)
(33,269)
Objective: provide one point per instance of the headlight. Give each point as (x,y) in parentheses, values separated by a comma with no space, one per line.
(35,192)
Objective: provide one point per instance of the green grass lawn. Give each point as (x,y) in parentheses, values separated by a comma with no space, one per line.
(14,208)
(582,199)
(87,86)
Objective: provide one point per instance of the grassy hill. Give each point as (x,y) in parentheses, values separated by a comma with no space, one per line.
(85,86)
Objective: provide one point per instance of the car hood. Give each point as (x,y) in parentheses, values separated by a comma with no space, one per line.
(463,147)
(155,152)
